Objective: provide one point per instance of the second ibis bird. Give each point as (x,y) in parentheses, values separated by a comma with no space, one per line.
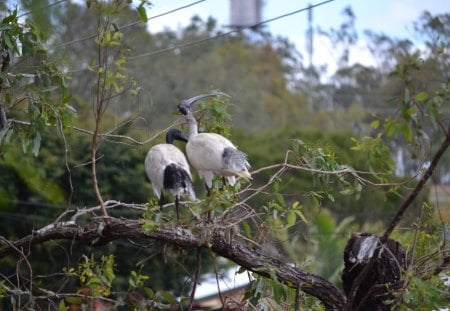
(212,154)
(167,168)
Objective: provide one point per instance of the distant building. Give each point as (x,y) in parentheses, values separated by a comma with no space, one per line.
(244,13)
(233,300)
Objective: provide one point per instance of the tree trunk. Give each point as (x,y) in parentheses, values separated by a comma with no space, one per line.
(372,271)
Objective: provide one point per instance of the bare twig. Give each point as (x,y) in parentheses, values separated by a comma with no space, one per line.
(60,127)
(114,138)
(132,140)
(216,274)
(110,204)
(24,258)
(304,167)
(195,278)
(99,106)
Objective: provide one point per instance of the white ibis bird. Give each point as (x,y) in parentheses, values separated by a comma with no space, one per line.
(167,168)
(212,154)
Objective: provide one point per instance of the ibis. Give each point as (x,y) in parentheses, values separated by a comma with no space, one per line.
(212,154)
(167,168)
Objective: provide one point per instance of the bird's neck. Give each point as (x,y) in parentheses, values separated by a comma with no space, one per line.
(192,124)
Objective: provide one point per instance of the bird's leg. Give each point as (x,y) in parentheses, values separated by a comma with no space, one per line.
(161,202)
(208,194)
(223,183)
(176,206)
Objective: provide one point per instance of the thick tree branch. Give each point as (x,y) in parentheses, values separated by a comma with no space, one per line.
(214,238)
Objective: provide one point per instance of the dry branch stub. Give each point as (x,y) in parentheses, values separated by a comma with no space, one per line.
(372,271)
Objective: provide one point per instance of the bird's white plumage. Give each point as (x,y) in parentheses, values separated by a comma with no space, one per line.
(210,153)
(205,152)
(158,158)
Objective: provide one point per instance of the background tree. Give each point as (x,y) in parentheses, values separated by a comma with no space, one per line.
(319,185)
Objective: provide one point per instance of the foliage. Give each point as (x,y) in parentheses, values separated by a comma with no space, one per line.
(423,295)
(98,277)
(214,117)
(268,294)
(426,287)
(376,150)
(34,90)
(319,174)
(137,280)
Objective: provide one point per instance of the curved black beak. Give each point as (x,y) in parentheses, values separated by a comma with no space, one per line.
(175,134)
(186,104)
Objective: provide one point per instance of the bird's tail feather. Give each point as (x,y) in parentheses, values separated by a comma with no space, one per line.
(244,174)
(178,181)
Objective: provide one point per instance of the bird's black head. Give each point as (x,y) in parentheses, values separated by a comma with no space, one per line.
(182,108)
(185,105)
(175,134)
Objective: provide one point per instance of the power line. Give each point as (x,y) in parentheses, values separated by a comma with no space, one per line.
(229,32)
(131,24)
(195,42)
(165,13)
(42,8)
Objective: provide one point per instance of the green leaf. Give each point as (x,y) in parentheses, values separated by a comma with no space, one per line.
(241,270)
(375,124)
(169,297)
(142,13)
(9,135)
(25,143)
(406,131)
(301,215)
(74,300)
(291,218)
(330,197)
(36,143)
(116,27)
(346,192)
(62,306)
(421,97)
(280,199)
(247,229)
(8,41)
(149,292)
(5,27)
(278,293)
(389,127)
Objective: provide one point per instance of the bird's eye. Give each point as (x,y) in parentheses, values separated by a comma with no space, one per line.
(182,109)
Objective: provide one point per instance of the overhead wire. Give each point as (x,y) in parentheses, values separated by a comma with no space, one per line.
(224,34)
(131,24)
(239,29)
(42,8)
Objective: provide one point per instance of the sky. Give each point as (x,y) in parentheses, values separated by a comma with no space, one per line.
(391,17)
